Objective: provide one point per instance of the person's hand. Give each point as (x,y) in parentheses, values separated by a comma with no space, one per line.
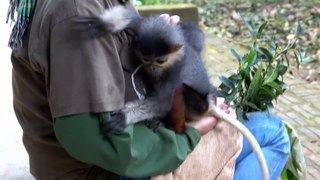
(207,123)
(171,19)
(223,104)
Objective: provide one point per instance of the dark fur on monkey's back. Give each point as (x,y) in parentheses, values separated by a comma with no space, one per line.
(188,78)
(155,36)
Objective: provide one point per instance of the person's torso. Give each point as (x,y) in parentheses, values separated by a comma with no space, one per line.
(31,81)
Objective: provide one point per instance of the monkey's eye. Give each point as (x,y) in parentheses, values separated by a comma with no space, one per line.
(160,61)
(146,60)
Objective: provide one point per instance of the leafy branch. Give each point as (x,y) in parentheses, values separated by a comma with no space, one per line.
(259,81)
(259,78)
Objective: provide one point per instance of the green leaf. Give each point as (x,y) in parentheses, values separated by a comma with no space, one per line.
(241,114)
(282,69)
(285,50)
(267,94)
(272,74)
(282,84)
(255,83)
(235,54)
(221,93)
(302,53)
(269,107)
(261,28)
(227,82)
(266,52)
(284,175)
(273,45)
(251,57)
(252,105)
(307,60)
(275,86)
(251,30)
(236,77)
(262,58)
(298,31)
(297,59)
(296,162)
(231,97)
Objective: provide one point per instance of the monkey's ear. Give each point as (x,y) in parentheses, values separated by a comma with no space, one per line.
(176,48)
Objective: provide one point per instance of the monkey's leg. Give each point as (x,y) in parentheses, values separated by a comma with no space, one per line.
(154,124)
(177,114)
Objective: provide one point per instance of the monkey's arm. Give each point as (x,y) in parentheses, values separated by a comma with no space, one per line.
(140,110)
(134,112)
(137,152)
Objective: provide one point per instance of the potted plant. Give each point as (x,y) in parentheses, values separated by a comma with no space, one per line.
(258,82)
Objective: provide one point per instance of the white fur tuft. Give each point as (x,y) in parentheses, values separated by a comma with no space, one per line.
(117,18)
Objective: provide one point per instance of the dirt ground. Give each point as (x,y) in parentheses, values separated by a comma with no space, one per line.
(309,72)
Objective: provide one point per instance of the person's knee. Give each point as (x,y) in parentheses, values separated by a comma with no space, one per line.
(282,139)
(270,131)
(272,136)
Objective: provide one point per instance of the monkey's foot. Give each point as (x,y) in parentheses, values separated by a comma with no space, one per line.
(115,125)
(154,124)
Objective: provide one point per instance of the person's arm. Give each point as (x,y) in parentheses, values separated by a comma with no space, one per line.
(138,152)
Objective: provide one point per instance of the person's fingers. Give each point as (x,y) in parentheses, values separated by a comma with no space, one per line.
(166,17)
(205,124)
(225,107)
(171,19)
(219,101)
(174,19)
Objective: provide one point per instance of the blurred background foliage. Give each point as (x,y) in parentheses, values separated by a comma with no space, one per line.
(222,18)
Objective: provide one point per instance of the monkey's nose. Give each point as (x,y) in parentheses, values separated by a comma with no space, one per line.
(153,68)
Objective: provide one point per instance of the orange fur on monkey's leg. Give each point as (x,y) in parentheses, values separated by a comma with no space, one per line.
(177,113)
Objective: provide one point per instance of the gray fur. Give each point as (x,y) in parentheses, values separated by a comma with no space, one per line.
(140,110)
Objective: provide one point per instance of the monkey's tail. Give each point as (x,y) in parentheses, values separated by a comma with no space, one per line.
(215,111)
(119,18)
(112,20)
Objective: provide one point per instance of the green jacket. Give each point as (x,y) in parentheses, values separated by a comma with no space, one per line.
(138,152)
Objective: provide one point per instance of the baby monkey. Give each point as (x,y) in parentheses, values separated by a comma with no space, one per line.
(170,55)
(180,90)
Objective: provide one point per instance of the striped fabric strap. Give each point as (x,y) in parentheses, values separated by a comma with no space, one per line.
(24,10)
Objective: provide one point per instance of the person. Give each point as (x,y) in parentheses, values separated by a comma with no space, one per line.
(63,86)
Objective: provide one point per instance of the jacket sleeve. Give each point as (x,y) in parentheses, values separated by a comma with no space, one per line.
(138,152)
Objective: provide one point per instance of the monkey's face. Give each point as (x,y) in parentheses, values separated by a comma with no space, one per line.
(155,65)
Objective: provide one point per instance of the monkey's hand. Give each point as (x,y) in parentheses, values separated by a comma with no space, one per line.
(154,124)
(115,125)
